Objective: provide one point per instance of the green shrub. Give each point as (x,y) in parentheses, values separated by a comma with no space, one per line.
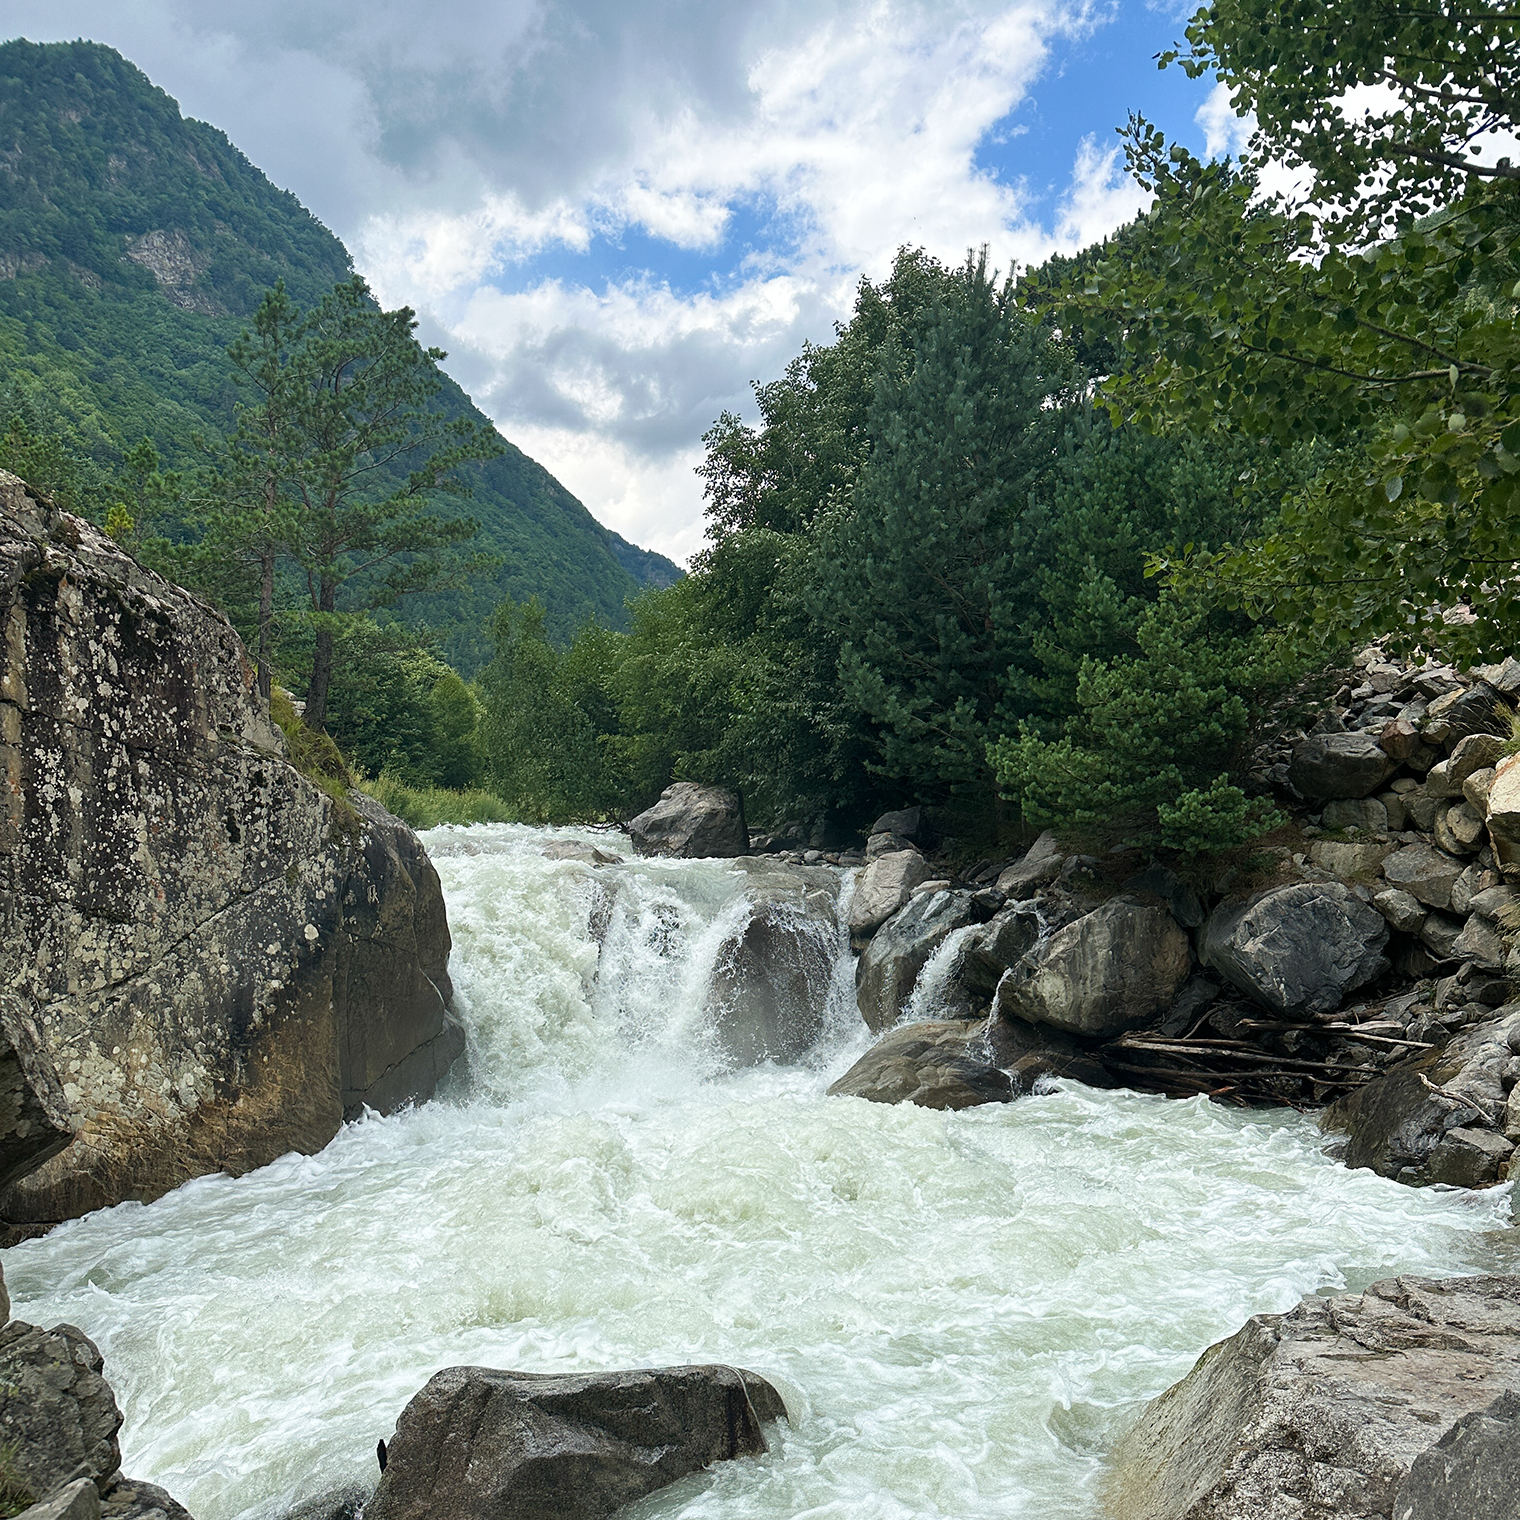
(425,807)
(1220,817)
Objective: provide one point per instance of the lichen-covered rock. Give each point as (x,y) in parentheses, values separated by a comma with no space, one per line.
(206,960)
(691,821)
(1325,1410)
(1297,949)
(477,1444)
(1113,969)
(1413,1123)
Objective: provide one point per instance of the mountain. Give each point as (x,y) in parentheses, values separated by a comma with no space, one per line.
(135,242)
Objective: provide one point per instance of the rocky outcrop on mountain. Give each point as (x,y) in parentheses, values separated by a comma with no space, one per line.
(1369,1405)
(206,960)
(691,821)
(59,1425)
(477,1444)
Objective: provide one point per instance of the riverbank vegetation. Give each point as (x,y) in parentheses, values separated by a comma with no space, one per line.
(1031,549)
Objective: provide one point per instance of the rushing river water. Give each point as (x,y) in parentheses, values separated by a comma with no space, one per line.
(960,1309)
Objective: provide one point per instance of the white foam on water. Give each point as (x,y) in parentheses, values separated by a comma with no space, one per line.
(960,1309)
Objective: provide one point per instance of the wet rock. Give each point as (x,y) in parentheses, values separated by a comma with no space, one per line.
(575,849)
(1197,994)
(57,1411)
(1396,1122)
(1297,949)
(691,821)
(1473,1470)
(1423,872)
(888,971)
(1113,969)
(1335,766)
(1002,942)
(940,1063)
(1029,1052)
(882,889)
(345,1503)
(1324,1410)
(477,1444)
(1039,866)
(132,1499)
(206,960)
(1468,1158)
(770,985)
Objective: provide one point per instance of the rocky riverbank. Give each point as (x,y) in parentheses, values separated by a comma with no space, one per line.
(206,959)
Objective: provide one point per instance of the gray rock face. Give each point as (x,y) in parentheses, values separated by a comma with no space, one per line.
(1322,1411)
(1041,865)
(1000,943)
(56,1409)
(1112,969)
(888,971)
(1335,766)
(1416,1121)
(477,1444)
(770,986)
(131,1499)
(905,823)
(1423,872)
(691,821)
(205,960)
(1297,949)
(1504,816)
(79,1500)
(346,1503)
(1473,1470)
(940,1063)
(881,889)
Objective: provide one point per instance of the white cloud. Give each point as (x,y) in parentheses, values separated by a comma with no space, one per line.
(1223,131)
(458,149)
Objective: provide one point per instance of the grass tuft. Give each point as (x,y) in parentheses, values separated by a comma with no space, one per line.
(425,807)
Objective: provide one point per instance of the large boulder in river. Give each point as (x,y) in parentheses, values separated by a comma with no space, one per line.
(1113,969)
(770,986)
(206,960)
(1324,1410)
(1330,766)
(1437,1116)
(1298,949)
(691,821)
(477,1444)
(888,971)
(939,1063)
(881,889)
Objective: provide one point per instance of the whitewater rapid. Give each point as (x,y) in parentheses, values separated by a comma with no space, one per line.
(961,1310)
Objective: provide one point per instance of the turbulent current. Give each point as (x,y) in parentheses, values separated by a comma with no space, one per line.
(961,1310)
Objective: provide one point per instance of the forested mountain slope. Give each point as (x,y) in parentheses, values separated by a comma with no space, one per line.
(133,245)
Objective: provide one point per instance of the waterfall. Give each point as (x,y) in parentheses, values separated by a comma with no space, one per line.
(960,1309)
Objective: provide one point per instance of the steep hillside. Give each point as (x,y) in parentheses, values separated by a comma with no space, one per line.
(134,242)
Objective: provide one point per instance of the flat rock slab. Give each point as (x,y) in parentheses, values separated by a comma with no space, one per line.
(1321,1413)
(478,1444)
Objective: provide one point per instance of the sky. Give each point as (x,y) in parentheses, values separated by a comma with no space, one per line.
(617,214)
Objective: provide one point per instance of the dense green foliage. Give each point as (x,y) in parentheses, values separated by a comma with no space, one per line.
(914,583)
(1378,316)
(135,244)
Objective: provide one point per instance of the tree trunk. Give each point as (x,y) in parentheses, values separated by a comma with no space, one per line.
(321,662)
(266,618)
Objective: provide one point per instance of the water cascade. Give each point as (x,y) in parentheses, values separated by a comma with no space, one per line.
(960,1309)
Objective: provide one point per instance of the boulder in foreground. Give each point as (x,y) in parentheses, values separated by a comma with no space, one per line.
(477,1444)
(206,961)
(691,821)
(1323,1411)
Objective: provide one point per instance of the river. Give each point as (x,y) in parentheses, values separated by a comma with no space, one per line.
(960,1309)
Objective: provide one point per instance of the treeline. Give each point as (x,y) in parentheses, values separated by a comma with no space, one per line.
(1027,551)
